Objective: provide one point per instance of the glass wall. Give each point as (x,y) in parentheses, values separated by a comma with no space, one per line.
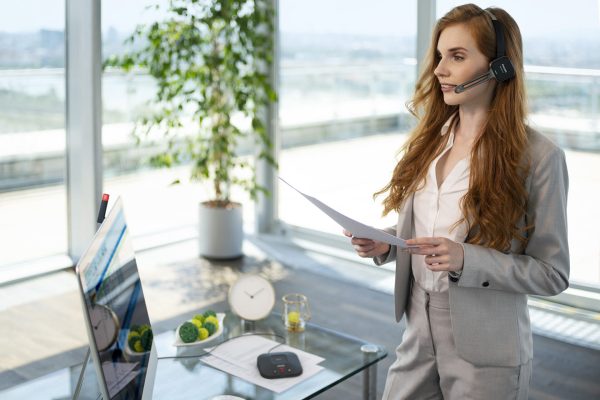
(33,217)
(344,80)
(562,64)
(345,77)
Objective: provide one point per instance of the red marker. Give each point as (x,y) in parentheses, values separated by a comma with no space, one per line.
(103,205)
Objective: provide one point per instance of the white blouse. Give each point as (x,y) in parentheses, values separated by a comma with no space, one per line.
(436,211)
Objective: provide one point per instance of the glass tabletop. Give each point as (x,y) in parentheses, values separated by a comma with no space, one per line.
(181,374)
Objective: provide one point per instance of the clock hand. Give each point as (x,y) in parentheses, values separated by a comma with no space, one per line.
(249,295)
(259,290)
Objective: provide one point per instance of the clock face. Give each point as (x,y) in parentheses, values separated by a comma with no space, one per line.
(105,325)
(252,297)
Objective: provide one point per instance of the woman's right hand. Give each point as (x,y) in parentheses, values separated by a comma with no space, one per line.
(367,247)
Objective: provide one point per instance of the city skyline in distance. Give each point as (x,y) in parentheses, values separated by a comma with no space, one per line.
(375,18)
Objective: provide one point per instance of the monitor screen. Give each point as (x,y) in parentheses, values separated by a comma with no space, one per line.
(119,329)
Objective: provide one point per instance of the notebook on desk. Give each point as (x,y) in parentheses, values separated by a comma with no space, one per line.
(119,330)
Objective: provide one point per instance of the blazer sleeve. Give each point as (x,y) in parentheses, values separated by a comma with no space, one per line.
(543,268)
(390,255)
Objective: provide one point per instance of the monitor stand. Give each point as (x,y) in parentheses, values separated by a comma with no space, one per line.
(81,375)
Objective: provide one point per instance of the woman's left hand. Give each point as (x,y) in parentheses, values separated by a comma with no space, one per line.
(441,254)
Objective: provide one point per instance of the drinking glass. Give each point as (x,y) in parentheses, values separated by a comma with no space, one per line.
(295,312)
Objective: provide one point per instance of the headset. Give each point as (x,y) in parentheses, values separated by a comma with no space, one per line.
(501,68)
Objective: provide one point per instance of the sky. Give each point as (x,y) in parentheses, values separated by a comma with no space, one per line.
(374,17)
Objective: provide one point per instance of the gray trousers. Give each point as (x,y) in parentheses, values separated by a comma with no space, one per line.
(428,366)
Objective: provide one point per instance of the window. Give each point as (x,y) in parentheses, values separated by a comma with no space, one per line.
(33,217)
(344,81)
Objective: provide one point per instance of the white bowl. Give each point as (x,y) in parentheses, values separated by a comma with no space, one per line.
(180,343)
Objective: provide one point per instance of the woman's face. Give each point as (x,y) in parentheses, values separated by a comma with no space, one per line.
(461,61)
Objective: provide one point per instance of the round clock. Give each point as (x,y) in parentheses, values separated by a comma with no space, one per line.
(105,325)
(251,297)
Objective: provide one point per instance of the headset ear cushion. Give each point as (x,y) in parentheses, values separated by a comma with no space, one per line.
(502,69)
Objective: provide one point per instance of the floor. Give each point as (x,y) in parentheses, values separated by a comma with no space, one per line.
(41,328)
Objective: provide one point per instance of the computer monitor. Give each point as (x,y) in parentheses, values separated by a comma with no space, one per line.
(115,312)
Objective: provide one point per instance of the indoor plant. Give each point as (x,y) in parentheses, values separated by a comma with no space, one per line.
(210,61)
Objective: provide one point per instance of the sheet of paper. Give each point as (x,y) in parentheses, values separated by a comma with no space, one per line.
(238,357)
(358,229)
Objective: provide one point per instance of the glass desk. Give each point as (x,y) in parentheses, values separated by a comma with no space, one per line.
(189,378)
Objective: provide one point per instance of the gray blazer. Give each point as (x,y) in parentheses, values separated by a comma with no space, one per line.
(488,304)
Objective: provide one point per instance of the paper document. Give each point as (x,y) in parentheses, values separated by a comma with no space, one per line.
(238,357)
(358,229)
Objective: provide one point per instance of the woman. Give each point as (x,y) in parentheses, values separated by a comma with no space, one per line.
(484,198)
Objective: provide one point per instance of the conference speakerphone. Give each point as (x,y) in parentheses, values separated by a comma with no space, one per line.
(279,365)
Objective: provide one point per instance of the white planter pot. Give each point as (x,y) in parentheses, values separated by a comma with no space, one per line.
(220,231)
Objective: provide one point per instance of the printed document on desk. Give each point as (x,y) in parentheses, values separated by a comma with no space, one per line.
(238,357)
(358,229)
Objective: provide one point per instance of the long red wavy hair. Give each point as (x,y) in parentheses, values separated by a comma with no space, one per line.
(496,198)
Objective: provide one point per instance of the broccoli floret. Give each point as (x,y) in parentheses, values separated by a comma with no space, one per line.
(196,322)
(137,347)
(208,313)
(212,319)
(188,332)
(202,333)
(132,338)
(210,327)
(199,317)
(146,339)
